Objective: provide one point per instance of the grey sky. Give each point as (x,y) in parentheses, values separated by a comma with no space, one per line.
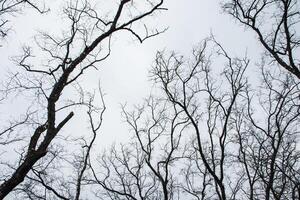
(124,79)
(124,75)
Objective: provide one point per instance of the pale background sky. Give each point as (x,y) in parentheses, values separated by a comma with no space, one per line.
(124,75)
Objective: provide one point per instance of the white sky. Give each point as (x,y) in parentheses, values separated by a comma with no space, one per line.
(124,75)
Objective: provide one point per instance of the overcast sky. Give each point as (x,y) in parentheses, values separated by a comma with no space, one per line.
(124,75)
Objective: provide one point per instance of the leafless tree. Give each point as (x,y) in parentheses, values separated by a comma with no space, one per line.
(62,175)
(268,143)
(226,115)
(145,168)
(237,142)
(60,62)
(11,8)
(190,84)
(276,23)
(206,133)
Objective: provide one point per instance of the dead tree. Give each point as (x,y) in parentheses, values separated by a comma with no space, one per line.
(267,138)
(276,24)
(63,175)
(232,141)
(244,143)
(10,8)
(208,105)
(83,46)
(144,169)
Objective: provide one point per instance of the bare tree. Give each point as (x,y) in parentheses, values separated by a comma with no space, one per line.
(64,60)
(276,23)
(268,143)
(224,119)
(235,142)
(207,133)
(271,140)
(189,84)
(11,8)
(47,180)
(144,169)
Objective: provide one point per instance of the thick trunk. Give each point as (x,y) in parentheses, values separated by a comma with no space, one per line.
(20,173)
